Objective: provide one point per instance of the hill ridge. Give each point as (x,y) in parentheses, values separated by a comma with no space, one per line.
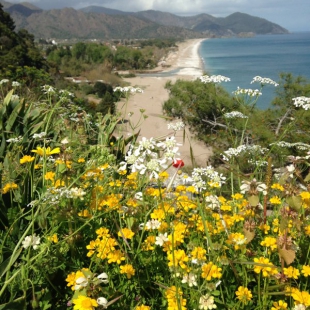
(95,22)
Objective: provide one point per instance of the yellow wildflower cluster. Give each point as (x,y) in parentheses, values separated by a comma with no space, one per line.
(103,245)
(175,299)
(74,276)
(244,294)
(300,297)
(263,265)
(279,305)
(8,187)
(211,271)
(177,258)
(270,243)
(128,270)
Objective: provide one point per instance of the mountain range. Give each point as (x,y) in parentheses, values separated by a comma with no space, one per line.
(95,22)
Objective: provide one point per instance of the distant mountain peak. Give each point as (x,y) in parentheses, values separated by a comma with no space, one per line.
(104,23)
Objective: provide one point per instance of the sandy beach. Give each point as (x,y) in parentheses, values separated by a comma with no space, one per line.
(187,60)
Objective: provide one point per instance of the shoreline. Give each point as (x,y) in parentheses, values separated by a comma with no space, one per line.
(186,61)
(186,64)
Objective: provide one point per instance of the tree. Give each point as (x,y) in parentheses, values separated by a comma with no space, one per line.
(106,105)
(17,49)
(79,50)
(289,88)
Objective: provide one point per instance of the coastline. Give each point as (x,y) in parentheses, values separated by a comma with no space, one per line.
(184,64)
(187,59)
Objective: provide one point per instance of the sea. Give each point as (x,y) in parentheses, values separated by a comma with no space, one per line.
(241,59)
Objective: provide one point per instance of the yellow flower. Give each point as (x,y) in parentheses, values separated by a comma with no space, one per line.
(269,242)
(178,258)
(85,213)
(264,227)
(9,186)
(264,266)
(103,232)
(244,294)
(128,270)
(291,272)
(49,176)
(53,238)
(275,200)
(210,271)
(237,196)
(275,224)
(84,303)
(307,230)
(226,207)
(191,189)
(148,244)
(73,276)
(117,183)
(163,175)
(81,160)
(300,297)
(279,305)
(132,202)
(306,270)
(116,257)
(305,195)
(71,279)
(26,159)
(199,253)
(46,151)
(277,186)
(236,239)
(126,233)
(143,307)
(132,176)
(174,298)
(59,183)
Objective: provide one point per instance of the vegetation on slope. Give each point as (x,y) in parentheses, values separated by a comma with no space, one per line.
(90,219)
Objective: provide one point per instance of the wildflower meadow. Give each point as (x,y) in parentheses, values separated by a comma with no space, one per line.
(93,219)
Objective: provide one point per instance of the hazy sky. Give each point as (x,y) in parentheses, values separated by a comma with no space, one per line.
(293,15)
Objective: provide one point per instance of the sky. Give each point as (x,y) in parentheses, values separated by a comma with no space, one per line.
(290,14)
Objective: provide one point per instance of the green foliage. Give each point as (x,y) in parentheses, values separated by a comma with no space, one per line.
(87,219)
(196,102)
(20,59)
(203,106)
(160,43)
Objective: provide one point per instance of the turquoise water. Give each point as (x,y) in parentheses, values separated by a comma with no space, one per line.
(241,59)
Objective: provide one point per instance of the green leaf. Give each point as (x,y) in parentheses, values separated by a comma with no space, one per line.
(7,99)
(295,202)
(61,168)
(253,200)
(6,265)
(249,235)
(11,122)
(307,178)
(19,303)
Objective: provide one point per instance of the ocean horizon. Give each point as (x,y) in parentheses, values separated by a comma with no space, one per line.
(241,59)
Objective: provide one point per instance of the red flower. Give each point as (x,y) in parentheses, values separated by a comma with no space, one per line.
(178,163)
